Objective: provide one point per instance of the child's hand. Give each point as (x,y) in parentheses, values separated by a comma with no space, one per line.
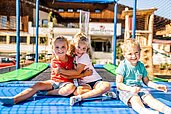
(135,89)
(58,70)
(64,76)
(87,72)
(161,87)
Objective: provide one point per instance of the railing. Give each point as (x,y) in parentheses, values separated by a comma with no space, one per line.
(8,24)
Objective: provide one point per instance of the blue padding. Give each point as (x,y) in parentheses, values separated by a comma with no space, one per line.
(19,109)
(11,91)
(103,102)
(58,104)
(46,101)
(20,82)
(98,66)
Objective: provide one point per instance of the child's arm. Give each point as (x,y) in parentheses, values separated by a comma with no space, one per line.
(85,73)
(120,85)
(77,71)
(154,85)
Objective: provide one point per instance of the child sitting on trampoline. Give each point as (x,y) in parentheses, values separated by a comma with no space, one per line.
(130,73)
(57,85)
(89,86)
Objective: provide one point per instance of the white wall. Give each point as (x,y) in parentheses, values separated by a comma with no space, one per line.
(23,48)
(42,15)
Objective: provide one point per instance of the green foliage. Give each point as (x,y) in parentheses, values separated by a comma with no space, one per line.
(119,50)
(41,56)
(165,66)
(94,61)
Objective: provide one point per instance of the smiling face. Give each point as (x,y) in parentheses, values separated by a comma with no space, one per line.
(80,48)
(80,45)
(131,51)
(60,47)
(132,55)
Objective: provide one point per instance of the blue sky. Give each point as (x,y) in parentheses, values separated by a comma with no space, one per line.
(164,6)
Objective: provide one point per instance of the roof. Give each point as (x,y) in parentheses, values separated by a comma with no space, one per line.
(88,1)
(163,6)
(138,12)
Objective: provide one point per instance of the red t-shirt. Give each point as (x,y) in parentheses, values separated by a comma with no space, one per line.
(65,65)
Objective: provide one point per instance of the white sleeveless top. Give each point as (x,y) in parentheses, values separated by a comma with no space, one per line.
(85,59)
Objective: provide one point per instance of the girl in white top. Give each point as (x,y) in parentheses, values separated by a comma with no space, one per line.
(85,60)
(89,86)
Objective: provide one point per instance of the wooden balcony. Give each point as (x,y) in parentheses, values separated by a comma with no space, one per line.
(106,14)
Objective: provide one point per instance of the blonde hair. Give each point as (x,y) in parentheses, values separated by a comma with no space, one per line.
(60,38)
(79,38)
(130,43)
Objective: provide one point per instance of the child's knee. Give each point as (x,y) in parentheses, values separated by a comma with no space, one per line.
(83,89)
(70,87)
(67,89)
(134,98)
(39,86)
(103,85)
(107,85)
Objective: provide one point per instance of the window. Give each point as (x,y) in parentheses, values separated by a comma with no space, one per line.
(6,60)
(32,40)
(12,22)
(23,39)
(98,46)
(12,39)
(70,10)
(3,39)
(97,11)
(43,40)
(61,10)
(30,57)
(45,22)
(78,10)
(3,22)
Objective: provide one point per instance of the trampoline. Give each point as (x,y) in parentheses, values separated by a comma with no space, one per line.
(58,104)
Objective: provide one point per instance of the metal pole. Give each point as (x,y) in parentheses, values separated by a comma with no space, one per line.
(18,34)
(115,32)
(134,19)
(37,30)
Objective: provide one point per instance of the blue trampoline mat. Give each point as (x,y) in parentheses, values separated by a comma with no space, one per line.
(58,104)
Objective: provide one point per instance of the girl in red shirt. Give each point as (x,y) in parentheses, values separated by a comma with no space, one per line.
(57,85)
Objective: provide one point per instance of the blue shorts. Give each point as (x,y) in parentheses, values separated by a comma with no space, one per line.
(125,96)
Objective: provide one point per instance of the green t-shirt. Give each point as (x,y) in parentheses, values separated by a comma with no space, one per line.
(132,75)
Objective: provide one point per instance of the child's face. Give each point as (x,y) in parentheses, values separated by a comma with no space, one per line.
(132,54)
(60,48)
(80,49)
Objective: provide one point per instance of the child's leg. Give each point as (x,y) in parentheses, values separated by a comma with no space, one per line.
(29,92)
(136,103)
(82,89)
(78,92)
(99,88)
(139,107)
(156,104)
(64,90)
